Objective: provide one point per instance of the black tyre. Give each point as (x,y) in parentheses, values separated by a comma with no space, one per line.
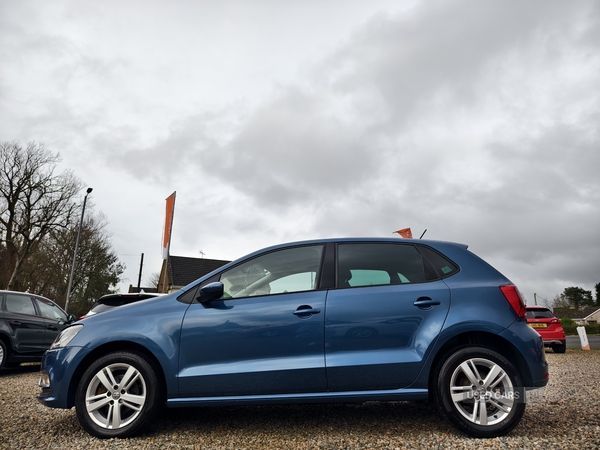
(560,348)
(480,392)
(118,395)
(3,354)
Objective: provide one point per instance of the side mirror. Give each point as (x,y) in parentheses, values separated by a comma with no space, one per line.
(210,292)
(71,318)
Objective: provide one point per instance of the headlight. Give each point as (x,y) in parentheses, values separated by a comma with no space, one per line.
(66,336)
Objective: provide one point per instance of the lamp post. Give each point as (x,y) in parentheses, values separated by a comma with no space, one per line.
(76,247)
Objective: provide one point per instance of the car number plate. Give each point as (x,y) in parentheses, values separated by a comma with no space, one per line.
(538,325)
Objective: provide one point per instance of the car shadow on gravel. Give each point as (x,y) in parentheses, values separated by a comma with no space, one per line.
(373,418)
(19,370)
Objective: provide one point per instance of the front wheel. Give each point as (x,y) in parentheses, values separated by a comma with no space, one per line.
(3,354)
(117,395)
(480,392)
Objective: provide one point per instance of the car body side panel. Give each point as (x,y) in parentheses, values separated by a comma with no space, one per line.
(480,307)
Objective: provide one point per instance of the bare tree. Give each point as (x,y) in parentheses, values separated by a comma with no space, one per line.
(97,270)
(34,201)
(154,279)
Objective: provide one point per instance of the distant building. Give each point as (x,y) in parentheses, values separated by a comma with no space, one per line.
(588,315)
(182,270)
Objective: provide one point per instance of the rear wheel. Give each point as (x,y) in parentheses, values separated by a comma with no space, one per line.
(560,348)
(480,392)
(117,395)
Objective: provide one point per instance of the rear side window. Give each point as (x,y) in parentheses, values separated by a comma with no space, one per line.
(19,304)
(442,265)
(539,314)
(378,264)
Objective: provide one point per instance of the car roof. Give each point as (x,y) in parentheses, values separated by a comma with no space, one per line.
(4,291)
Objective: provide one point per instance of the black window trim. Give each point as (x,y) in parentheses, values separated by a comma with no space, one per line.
(416,246)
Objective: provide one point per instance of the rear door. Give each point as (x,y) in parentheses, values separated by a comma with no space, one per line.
(26,327)
(388,308)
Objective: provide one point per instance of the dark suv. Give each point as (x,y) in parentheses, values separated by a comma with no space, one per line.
(28,326)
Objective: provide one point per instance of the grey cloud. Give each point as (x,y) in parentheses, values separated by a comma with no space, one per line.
(475,120)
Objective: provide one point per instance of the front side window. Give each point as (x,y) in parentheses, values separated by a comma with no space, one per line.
(362,264)
(50,310)
(278,272)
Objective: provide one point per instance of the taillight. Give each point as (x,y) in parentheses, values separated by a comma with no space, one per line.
(515,299)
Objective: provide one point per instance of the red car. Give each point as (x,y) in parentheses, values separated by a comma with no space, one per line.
(548,326)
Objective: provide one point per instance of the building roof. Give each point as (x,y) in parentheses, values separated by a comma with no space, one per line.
(183,270)
(575,313)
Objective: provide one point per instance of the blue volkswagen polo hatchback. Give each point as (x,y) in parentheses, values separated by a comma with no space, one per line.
(334,320)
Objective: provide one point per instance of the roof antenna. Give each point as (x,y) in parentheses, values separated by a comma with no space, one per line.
(423,233)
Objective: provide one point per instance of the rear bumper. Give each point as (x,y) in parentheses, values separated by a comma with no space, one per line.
(531,347)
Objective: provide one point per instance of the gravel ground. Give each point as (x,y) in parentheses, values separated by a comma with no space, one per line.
(565,415)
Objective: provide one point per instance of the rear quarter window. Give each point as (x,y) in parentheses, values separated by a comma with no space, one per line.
(442,265)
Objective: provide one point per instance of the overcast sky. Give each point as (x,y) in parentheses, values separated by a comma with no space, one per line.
(287,120)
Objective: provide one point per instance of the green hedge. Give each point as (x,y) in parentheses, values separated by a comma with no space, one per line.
(570,327)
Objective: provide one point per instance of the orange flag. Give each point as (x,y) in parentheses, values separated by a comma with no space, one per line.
(405,233)
(168,225)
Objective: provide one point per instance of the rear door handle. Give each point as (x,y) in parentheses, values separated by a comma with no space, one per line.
(426,303)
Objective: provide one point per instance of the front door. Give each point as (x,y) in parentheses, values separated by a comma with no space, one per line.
(55,319)
(264,336)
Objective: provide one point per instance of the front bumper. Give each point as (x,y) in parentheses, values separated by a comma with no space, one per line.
(57,371)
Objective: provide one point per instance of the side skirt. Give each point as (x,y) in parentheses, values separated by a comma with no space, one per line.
(321,397)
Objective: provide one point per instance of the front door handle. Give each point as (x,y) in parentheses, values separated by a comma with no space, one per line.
(306,311)
(426,303)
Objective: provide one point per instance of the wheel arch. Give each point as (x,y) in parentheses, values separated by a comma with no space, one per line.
(121,346)
(7,345)
(4,337)
(481,339)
